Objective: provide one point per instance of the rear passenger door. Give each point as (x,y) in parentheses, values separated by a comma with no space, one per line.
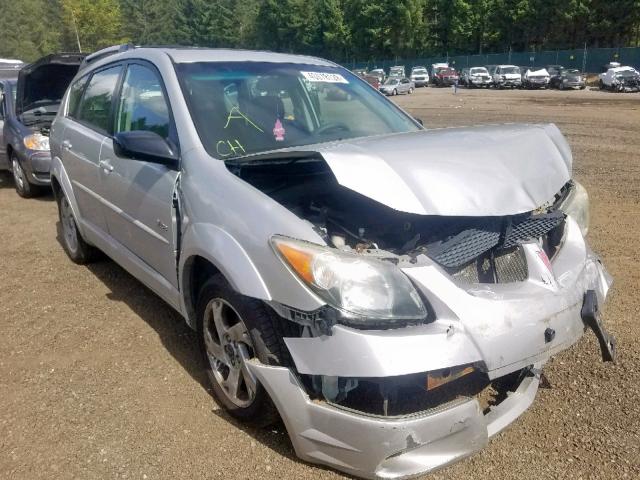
(89,114)
(139,194)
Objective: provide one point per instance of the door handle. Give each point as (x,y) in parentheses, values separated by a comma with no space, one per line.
(106,166)
(66,144)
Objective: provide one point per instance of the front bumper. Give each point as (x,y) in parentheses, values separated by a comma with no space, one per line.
(504,328)
(37,166)
(509,83)
(373,447)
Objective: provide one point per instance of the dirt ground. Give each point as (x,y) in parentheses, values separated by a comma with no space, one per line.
(100,379)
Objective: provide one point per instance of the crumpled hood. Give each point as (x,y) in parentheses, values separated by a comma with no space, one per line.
(475,171)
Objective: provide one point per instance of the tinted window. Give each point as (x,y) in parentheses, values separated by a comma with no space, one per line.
(96,102)
(143,105)
(75,94)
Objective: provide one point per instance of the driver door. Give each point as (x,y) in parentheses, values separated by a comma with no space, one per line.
(138,193)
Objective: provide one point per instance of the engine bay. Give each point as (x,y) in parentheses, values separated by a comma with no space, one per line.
(353,222)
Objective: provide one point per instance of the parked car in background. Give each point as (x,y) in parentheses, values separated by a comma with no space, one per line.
(9,68)
(535,78)
(7,99)
(397,71)
(506,76)
(397,86)
(361,72)
(39,91)
(444,76)
(372,80)
(394,311)
(563,78)
(475,77)
(620,79)
(378,72)
(420,76)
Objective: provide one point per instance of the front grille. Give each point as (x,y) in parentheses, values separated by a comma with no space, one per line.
(505,267)
(492,253)
(502,233)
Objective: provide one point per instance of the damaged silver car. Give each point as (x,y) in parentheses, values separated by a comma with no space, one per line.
(392,293)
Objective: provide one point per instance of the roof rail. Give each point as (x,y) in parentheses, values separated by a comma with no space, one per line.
(105,52)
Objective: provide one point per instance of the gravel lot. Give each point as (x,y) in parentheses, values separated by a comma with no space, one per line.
(100,379)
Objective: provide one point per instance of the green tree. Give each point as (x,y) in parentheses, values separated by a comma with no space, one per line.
(149,22)
(25,34)
(94,24)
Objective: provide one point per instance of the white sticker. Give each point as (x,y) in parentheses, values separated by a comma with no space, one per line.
(324,77)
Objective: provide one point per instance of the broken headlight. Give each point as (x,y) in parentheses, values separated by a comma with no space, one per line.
(365,290)
(576,206)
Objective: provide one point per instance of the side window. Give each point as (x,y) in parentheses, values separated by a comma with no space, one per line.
(96,101)
(143,105)
(75,94)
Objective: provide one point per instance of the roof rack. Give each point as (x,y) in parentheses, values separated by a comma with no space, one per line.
(105,52)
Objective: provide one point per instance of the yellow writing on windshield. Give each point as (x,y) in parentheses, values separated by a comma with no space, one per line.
(236,114)
(226,148)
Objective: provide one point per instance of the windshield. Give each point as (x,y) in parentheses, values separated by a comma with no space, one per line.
(419,71)
(626,73)
(508,70)
(392,81)
(479,71)
(572,72)
(253,107)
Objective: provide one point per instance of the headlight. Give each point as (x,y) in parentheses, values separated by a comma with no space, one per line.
(363,289)
(36,141)
(576,206)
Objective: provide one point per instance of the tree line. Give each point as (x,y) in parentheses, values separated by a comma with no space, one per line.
(342,30)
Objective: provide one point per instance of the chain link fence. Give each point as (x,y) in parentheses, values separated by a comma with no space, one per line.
(588,60)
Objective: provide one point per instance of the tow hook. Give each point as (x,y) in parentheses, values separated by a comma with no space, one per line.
(591,318)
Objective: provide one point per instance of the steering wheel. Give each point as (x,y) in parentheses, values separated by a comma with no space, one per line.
(330,127)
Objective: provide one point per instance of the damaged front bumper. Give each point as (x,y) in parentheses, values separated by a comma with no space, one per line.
(395,447)
(501,329)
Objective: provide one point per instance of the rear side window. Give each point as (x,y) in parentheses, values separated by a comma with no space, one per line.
(143,105)
(75,94)
(95,107)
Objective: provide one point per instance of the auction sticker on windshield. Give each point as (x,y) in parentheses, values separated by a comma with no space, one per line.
(324,77)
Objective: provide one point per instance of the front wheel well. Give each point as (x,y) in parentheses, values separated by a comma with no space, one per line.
(197,270)
(56,187)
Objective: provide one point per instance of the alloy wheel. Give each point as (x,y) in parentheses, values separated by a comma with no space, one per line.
(69,229)
(229,347)
(18,174)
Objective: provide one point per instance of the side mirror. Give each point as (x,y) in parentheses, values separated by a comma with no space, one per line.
(419,120)
(145,145)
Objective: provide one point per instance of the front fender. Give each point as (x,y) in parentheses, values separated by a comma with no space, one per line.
(215,244)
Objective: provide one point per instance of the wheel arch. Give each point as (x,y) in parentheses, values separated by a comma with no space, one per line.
(208,250)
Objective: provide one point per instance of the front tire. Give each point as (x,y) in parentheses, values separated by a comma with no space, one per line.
(23,187)
(233,330)
(394,93)
(410,91)
(77,249)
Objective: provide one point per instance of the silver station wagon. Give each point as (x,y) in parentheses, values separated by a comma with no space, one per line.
(392,293)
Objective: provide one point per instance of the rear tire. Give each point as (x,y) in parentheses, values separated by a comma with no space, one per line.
(234,329)
(77,249)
